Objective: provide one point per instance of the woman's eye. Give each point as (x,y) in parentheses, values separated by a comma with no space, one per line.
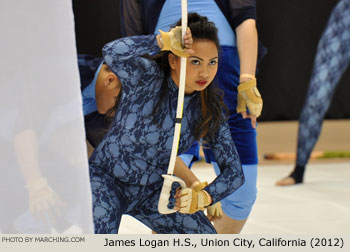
(195,62)
(213,62)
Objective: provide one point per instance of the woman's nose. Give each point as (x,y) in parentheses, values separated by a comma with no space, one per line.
(204,72)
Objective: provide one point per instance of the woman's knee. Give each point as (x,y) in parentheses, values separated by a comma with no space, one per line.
(239,204)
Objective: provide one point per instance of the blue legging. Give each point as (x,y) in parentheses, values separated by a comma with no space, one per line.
(112,199)
(239,204)
(332,59)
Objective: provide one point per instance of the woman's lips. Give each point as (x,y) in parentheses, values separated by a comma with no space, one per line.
(201,82)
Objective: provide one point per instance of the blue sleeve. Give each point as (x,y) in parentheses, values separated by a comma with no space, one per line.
(124,57)
(226,155)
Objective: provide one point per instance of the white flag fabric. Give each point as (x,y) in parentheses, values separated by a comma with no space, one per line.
(44,180)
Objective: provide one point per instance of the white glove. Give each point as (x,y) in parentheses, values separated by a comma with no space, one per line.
(44,203)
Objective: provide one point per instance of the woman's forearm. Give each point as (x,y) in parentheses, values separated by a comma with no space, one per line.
(26,149)
(182,171)
(247,45)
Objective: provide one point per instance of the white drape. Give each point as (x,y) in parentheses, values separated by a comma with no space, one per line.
(44,180)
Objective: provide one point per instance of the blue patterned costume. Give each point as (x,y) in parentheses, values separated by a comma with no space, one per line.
(148,16)
(332,59)
(127,165)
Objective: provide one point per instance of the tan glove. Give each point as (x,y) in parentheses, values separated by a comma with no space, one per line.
(43,201)
(249,96)
(197,186)
(192,201)
(214,211)
(172,41)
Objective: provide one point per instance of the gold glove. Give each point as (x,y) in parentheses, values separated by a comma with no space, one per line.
(172,41)
(197,186)
(215,210)
(249,96)
(192,201)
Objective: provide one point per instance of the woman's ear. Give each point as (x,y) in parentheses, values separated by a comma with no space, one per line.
(112,80)
(172,60)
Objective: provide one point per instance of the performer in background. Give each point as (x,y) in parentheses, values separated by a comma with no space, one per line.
(332,59)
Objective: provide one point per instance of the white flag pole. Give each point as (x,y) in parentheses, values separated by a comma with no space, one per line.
(169,179)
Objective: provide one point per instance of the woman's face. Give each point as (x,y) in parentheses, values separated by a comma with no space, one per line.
(201,66)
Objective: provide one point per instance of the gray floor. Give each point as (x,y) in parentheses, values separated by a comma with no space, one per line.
(320,206)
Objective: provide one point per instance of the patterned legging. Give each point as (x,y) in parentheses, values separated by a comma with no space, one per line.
(332,59)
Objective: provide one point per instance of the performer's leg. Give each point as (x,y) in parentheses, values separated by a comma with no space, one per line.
(332,58)
(107,207)
(237,206)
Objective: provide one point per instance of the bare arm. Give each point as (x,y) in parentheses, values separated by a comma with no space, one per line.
(247,45)
(26,147)
(183,172)
(44,203)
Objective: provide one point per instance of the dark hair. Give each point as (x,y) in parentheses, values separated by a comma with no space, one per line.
(211,97)
(202,28)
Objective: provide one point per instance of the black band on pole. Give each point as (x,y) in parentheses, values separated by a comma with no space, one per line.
(178,120)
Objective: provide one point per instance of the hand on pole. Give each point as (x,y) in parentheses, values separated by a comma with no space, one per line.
(191,200)
(172,41)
